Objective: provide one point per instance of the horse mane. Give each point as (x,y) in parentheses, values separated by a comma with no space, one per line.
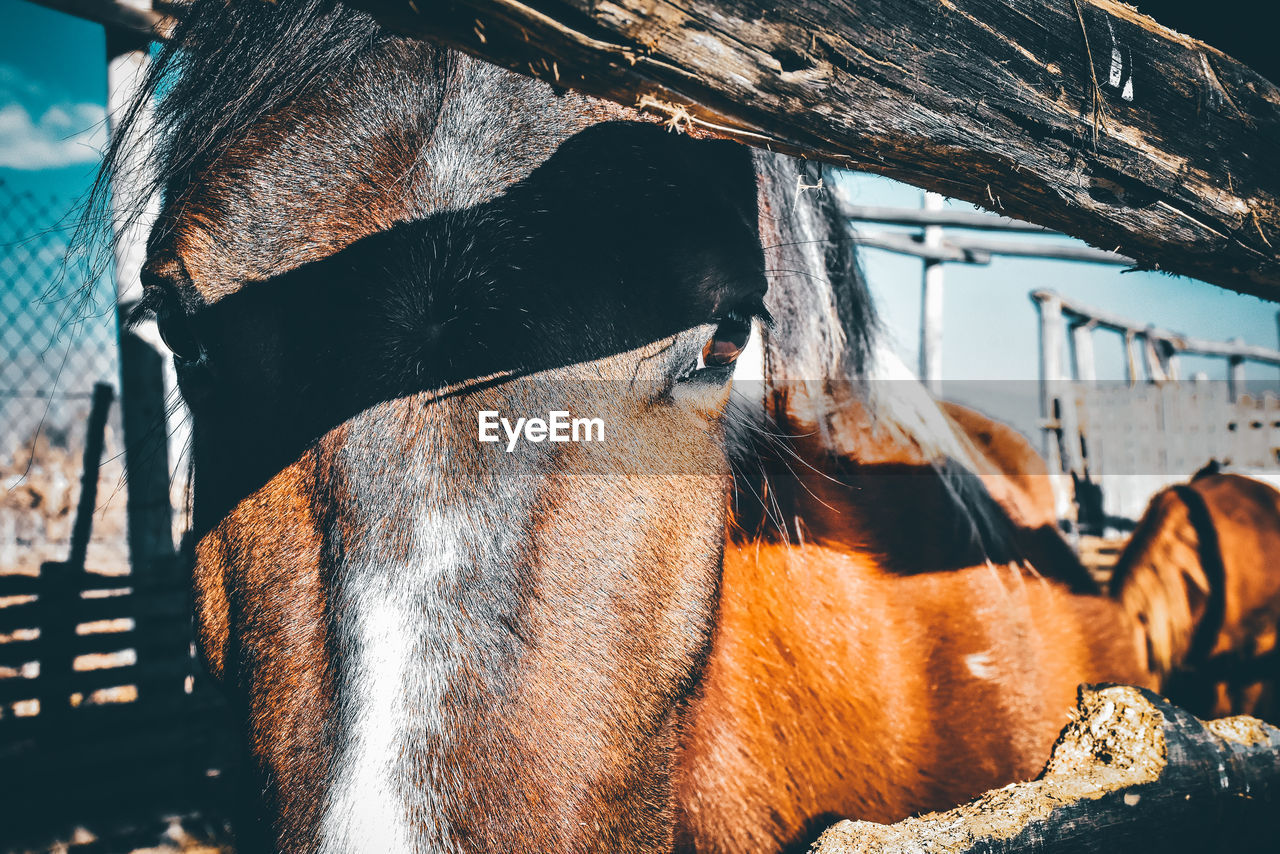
(824,341)
(824,320)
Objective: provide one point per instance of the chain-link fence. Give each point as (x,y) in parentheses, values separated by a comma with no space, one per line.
(57,341)
(104,718)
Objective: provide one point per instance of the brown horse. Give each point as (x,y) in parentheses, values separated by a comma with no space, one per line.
(1200,571)
(758,604)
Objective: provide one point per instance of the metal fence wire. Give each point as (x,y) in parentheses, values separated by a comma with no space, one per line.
(103,710)
(57,341)
(54,343)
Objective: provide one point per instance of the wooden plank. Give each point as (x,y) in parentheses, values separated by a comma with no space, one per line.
(151,20)
(975,220)
(905,244)
(1040,249)
(169,671)
(1129,773)
(175,603)
(170,636)
(1184,344)
(1085,116)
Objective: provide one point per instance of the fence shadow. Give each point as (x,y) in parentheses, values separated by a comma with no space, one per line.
(108,730)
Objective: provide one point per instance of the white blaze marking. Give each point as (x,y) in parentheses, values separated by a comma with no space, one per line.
(365,812)
(392,616)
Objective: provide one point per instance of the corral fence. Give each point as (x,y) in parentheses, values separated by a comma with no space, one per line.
(1120,442)
(103,711)
(948,237)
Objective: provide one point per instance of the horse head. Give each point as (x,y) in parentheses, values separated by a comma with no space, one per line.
(437,642)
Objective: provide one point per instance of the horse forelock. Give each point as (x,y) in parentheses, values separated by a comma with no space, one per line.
(283,132)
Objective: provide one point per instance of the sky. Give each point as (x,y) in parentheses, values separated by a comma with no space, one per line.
(52,91)
(990,350)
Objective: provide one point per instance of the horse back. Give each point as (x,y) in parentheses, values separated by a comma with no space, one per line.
(1198,578)
(1013,472)
(838,689)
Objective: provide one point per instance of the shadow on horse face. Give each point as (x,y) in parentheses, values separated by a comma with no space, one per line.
(412,620)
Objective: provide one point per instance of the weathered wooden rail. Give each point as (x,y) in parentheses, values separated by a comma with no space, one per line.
(1129,773)
(1082,115)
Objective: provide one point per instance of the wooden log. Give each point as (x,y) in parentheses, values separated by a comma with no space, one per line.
(1129,773)
(152,20)
(1081,115)
(976,220)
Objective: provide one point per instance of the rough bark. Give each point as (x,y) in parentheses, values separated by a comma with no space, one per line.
(151,19)
(1130,773)
(1081,115)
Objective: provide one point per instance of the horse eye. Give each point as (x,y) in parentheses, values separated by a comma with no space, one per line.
(727,343)
(178,335)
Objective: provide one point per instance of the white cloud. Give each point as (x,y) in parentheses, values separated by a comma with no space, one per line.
(63,135)
(14,85)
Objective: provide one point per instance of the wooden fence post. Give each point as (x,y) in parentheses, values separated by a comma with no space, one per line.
(1051,376)
(62,581)
(1133,358)
(931,305)
(1082,347)
(146,393)
(1235,374)
(1130,772)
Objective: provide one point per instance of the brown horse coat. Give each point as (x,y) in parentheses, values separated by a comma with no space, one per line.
(1200,575)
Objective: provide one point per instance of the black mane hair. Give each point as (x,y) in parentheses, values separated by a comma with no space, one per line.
(226,65)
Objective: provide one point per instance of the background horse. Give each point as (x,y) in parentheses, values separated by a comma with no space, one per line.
(1199,572)
(753,607)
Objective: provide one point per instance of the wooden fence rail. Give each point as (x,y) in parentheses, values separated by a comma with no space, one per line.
(1085,116)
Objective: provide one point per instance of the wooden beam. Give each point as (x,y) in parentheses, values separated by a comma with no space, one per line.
(1129,773)
(1057,251)
(975,220)
(906,244)
(153,20)
(1081,115)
